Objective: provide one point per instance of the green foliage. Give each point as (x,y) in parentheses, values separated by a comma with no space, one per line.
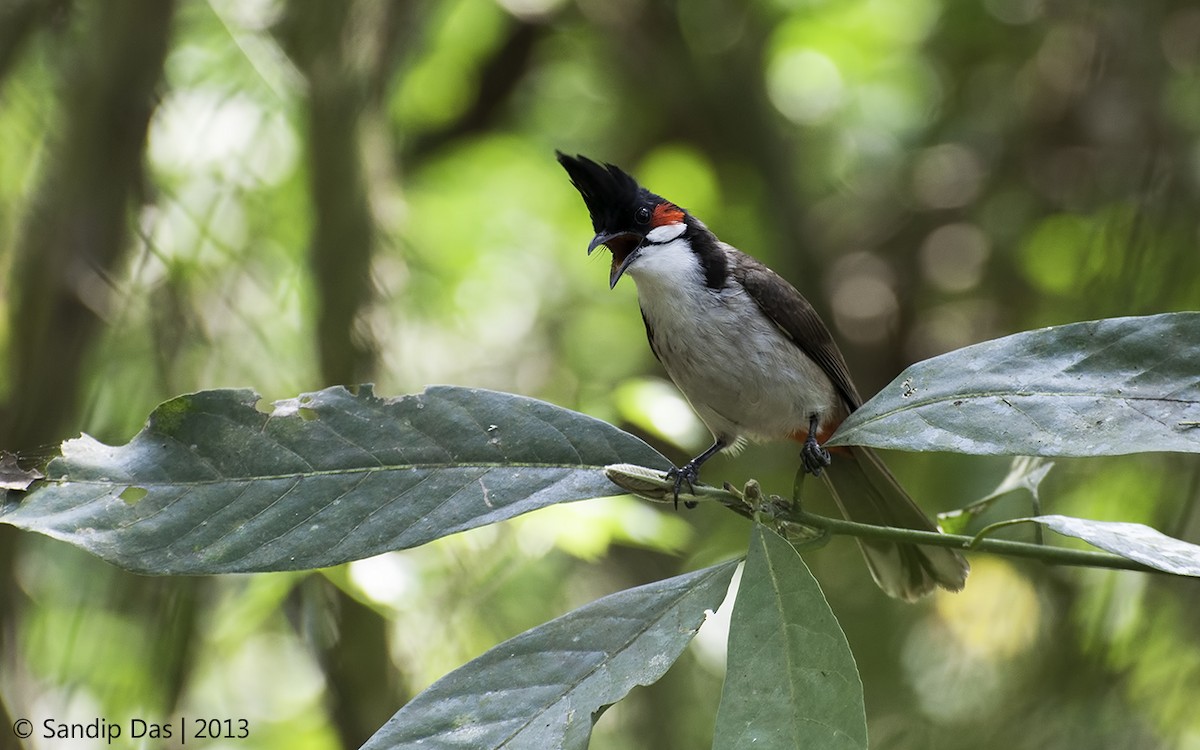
(546,687)
(791,680)
(220,487)
(212,484)
(1101,388)
(929,173)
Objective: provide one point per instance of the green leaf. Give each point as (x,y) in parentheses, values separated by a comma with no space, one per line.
(791,680)
(546,687)
(213,485)
(1025,472)
(1133,541)
(1105,387)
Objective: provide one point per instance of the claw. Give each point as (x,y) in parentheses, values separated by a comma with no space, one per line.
(812,455)
(689,473)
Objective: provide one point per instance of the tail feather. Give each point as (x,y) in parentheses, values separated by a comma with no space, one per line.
(866,492)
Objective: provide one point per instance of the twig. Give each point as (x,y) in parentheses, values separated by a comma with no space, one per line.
(653,485)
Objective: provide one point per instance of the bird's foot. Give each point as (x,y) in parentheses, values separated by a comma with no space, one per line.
(813,456)
(689,473)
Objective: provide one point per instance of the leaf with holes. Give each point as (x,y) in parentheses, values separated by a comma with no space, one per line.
(213,485)
(791,680)
(546,687)
(1105,387)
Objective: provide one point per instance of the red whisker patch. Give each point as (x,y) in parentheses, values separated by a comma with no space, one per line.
(666,213)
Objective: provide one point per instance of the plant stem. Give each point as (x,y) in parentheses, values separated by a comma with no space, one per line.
(653,485)
(1045,553)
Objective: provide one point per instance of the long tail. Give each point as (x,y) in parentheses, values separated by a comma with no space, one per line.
(866,491)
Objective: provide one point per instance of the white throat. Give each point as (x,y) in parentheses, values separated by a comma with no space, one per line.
(664,270)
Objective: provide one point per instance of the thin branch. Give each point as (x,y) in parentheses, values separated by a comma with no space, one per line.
(653,485)
(1045,553)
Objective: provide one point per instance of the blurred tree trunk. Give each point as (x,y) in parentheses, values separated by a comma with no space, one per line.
(74,232)
(76,228)
(320,39)
(330,43)
(348,639)
(19,19)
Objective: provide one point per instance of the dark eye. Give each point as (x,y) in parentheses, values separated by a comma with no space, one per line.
(642,215)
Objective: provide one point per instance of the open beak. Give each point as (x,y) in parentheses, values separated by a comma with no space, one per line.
(625,247)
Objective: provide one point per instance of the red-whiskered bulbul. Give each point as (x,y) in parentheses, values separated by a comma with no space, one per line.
(754,360)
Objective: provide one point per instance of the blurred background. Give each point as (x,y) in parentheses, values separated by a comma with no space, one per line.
(289,195)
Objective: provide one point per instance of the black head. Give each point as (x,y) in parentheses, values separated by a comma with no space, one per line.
(612,196)
(623,212)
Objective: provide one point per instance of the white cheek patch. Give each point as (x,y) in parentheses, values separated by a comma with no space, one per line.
(665,233)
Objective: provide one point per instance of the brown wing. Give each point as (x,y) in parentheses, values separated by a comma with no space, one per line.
(796,318)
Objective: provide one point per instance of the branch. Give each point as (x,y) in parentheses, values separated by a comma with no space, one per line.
(795,521)
(978,543)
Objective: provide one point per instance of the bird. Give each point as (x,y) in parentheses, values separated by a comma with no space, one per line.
(755,361)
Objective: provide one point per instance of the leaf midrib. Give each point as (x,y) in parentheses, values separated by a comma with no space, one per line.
(918,404)
(489,465)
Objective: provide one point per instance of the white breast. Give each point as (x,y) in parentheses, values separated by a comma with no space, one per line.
(743,377)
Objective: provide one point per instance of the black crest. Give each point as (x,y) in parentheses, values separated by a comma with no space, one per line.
(611,195)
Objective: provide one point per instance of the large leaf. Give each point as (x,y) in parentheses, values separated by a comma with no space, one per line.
(791,681)
(213,485)
(546,687)
(1105,387)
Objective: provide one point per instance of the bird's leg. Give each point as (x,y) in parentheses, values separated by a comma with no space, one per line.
(690,472)
(812,455)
